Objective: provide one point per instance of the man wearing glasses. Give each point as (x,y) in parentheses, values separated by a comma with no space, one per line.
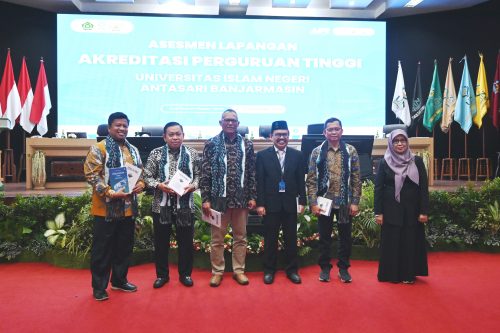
(227,185)
(280,181)
(334,174)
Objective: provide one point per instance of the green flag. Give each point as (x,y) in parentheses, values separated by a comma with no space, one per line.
(434,105)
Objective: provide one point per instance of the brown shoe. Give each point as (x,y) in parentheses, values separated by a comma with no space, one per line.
(215,280)
(241,278)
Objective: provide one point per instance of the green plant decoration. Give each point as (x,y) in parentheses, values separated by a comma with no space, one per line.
(55,231)
(495,215)
(144,235)
(79,236)
(13,227)
(465,219)
(488,221)
(364,226)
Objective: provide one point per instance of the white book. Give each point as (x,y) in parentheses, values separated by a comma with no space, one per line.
(325,205)
(133,173)
(214,218)
(179,182)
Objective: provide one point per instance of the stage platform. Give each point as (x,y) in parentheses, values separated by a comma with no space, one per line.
(14,189)
(11,190)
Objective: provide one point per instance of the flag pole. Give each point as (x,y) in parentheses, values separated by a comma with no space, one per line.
(484,147)
(449,142)
(416,125)
(465,145)
(22,161)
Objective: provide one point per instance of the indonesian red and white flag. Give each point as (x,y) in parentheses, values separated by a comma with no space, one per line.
(26,95)
(41,102)
(10,102)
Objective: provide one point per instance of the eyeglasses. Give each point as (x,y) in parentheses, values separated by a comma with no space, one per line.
(227,121)
(396,142)
(280,135)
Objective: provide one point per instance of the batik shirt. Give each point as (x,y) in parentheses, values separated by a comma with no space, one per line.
(94,173)
(236,196)
(152,172)
(334,174)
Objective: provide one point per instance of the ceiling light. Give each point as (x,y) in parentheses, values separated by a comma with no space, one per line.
(116,1)
(413,3)
(234,2)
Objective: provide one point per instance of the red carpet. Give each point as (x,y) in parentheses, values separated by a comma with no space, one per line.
(462,294)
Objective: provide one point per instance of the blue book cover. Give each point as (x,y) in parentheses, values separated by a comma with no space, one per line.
(118,179)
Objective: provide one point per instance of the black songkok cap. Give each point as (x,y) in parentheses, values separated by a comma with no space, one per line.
(279,125)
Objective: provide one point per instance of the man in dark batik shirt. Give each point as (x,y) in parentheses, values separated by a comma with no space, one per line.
(227,185)
(334,174)
(170,209)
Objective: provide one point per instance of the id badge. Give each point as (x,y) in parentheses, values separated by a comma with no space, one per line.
(281,186)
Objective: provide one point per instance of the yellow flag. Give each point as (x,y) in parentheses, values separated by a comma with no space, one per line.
(482,99)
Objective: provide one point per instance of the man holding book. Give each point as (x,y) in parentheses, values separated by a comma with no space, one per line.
(334,181)
(114,209)
(173,172)
(228,186)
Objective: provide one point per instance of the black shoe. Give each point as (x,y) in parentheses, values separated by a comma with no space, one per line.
(160,282)
(186,280)
(344,275)
(127,286)
(268,278)
(294,277)
(324,275)
(100,295)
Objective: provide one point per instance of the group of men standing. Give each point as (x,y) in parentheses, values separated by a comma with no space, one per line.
(232,180)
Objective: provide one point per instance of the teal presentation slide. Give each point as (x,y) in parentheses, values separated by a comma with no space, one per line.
(189,70)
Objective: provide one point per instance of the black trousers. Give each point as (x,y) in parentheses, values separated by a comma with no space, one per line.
(288,223)
(325,228)
(112,245)
(184,238)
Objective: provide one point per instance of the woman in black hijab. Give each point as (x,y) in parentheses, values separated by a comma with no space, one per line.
(401,208)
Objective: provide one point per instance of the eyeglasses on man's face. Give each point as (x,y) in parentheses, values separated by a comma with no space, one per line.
(230,120)
(280,135)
